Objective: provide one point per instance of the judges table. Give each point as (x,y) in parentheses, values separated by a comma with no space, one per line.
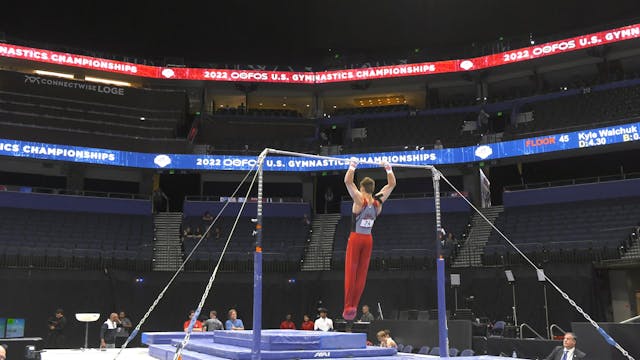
(423,332)
(524,348)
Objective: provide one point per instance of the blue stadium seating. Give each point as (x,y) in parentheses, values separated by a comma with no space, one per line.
(567,232)
(43,238)
(401,241)
(284,240)
(88,116)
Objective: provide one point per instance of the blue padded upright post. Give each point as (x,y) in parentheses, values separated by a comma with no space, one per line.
(443,331)
(257,272)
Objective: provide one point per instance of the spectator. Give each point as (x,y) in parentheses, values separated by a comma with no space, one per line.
(307,324)
(437,144)
(160,201)
(108,332)
(218,232)
(3,353)
(127,325)
(305,220)
(324,138)
(568,350)
(328,198)
(366,315)
(442,237)
(57,324)
(187,231)
(213,323)
(384,336)
(451,240)
(197,326)
(483,121)
(233,323)
(323,323)
(287,323)
(207,217)
(198,232)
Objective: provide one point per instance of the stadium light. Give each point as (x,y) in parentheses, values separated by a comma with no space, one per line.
(509,275)
(55,74)
(107,81)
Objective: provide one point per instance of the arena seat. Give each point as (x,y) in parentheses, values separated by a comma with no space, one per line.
(409,238)
(284,240)
(132,112)
(567,232)
(228,134)
(610,105)
(412,131)
(605,104)
(44,238)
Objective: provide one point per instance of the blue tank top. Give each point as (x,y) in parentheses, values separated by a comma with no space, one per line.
(363,222)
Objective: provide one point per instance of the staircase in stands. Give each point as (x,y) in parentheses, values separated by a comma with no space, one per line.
(320,250)
(633,253)
(167,249)
(470,253)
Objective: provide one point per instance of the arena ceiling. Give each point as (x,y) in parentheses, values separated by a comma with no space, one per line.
(285,32)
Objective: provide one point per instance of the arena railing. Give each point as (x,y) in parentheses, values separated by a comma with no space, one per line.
(222,199)
(66,192)
(577,181)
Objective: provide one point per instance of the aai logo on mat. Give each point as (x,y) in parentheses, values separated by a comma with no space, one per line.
(162,160)
(483,152)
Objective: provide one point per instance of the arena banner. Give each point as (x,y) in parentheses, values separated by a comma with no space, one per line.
(291,77)
(515,148)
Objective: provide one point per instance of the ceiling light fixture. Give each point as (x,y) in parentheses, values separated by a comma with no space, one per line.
(107,81)
(55,74)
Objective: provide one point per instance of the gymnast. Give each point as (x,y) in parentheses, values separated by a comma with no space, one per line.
(366,208)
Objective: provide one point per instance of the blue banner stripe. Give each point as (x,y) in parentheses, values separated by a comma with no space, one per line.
(521,147)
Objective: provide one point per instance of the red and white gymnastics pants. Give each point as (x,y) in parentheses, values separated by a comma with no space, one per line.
(356,267)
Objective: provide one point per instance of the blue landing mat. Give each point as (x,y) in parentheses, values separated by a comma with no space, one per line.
(293,340)
(166,337)
(166,352)
(242,353)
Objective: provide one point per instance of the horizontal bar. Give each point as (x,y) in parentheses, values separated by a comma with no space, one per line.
(345,160)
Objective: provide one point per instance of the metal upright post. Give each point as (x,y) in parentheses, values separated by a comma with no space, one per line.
(86,335)
(546,310)
(443,330)
(257,269)
(455,298)
(515,312)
